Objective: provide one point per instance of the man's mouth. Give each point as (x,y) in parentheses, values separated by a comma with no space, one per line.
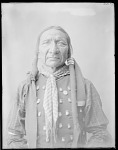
(53,57)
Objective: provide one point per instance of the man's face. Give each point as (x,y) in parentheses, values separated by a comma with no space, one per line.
(53,48)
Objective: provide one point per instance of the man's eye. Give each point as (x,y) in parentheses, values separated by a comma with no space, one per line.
(61,43)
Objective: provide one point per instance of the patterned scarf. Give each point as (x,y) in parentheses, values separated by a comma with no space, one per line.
(50,102)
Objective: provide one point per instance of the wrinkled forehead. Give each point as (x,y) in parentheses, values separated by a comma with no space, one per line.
(53,34)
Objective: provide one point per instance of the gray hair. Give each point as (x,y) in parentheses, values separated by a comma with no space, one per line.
(57,28)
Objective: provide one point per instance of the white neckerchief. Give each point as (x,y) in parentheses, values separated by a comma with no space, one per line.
(50,102)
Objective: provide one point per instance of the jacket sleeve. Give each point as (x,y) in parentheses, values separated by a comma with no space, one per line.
(95,120)
(16,122)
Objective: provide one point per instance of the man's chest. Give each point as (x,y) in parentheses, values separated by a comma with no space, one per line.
(64,125)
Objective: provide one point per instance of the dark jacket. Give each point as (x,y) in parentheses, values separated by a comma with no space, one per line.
(91,117)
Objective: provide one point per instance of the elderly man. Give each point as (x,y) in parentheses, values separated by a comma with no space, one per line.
(56,106)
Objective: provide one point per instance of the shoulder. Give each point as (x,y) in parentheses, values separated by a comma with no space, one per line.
(29,79)
(24,85)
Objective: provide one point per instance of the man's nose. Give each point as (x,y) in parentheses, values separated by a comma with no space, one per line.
(53,48)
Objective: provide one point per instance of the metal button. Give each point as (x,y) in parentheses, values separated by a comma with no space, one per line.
(47,139)
(67,112)
(38,100)
(60,125)
(69,126)
(69,100)
(71,137)
(60,114)
(37,88)
(44,127)
(63,139)
(80,110)
(39,114)
(60,89)
(65,92)
(43,87)
(69,88)
(60,101)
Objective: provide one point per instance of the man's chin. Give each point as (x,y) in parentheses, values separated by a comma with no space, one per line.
(53,63)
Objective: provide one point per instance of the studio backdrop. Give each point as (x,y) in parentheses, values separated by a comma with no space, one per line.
(91,29)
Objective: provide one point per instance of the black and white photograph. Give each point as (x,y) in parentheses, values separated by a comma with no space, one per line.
(58,75)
